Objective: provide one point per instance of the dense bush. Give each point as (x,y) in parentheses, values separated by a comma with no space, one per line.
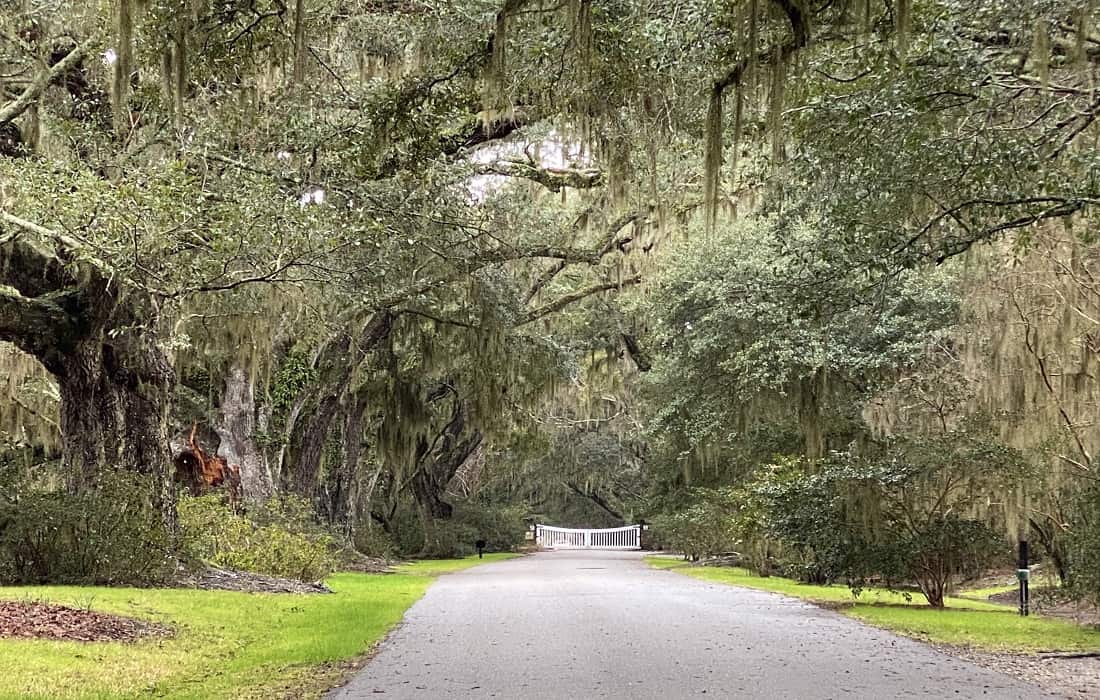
(502,527)
(1083,547)
(371,540)
(109,533)
(280,538)
(703,528)
(915,510)
(447,539)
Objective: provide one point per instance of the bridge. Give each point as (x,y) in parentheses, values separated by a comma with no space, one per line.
(551,537)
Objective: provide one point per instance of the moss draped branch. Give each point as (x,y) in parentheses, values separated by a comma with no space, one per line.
(567,299)
(553,179)
(800,37)
(32,92)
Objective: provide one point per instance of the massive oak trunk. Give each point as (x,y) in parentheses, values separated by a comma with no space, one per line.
(437,463)
(114,407)
(90,333)
(340,489)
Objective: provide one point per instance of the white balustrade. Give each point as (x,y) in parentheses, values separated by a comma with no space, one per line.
(551,537)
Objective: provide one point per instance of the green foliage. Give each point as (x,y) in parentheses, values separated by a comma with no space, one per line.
(704,528)
(448,539)
(294,375)
(769,337)
(279,538)
(1083,546)
(914,509)
(108,533)
(503,527)
(373,541)
(582,474)
(769,347)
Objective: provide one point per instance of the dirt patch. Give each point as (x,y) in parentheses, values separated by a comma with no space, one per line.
(215,579)
(26,620)
(362,564)
(1052,602)
(1074,676)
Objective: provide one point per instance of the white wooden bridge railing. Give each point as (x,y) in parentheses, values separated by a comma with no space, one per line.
(629,537)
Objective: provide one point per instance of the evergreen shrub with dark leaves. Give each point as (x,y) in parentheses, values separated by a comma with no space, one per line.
(109,533)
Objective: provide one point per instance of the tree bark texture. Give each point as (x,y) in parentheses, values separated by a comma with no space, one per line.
(235,433)
(437,463)
(337,365)
(87,330)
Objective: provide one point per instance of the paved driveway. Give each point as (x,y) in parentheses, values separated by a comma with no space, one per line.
(585,624)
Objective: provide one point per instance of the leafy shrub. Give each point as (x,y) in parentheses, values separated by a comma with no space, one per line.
(110,533)
(799,511)
(448,539)
(704,528)
(1083,547)
(407,530)
(502,527)
(373,541)
(917,509)
(280,538)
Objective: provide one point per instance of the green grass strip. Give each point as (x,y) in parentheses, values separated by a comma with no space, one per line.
(965,622)
(227,644)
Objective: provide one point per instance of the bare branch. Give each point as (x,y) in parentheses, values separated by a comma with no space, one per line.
(612,241)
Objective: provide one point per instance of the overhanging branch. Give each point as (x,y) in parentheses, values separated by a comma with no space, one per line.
(553,179)
(24,263)
(611,241)
(564,301)
(800,36)
(33,91)
(37,326)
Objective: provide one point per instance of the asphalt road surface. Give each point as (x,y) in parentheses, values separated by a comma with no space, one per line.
(588,624)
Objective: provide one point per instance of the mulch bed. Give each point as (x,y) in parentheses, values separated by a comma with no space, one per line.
(25,620)
(215,579)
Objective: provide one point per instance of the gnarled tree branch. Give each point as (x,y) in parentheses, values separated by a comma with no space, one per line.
(33,91)
(564,301)
(553,179)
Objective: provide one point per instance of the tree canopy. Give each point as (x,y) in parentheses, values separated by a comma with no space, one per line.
(583,256)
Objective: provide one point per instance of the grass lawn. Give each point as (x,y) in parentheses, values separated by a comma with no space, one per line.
(438,567)
(984,593)
(227,644)
(965,622)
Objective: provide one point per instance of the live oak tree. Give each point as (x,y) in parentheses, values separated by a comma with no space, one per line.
(191,176)
(347,234)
